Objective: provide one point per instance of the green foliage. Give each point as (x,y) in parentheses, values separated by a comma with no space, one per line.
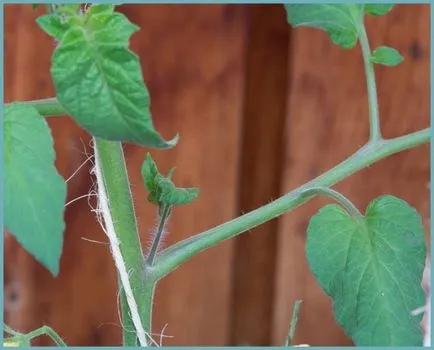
(372,268)
(35,193)
(378,9)
(162,190)
(340,21)
(172,195)
(98,80)
(53,25)
(386,56)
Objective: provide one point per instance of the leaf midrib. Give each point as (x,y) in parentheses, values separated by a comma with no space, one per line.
(93,45)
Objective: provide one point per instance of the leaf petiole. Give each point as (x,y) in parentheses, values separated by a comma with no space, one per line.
(47,107)
(374,116)
(164,216)
(339,197)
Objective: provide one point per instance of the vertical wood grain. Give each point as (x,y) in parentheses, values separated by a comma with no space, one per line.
(264,116)
(328,121)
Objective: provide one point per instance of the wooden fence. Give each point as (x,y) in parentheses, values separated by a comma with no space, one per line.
(260,109)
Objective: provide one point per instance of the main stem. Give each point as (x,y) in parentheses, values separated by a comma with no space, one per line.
(125,244)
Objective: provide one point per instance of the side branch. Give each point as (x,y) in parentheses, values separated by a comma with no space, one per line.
(172,257)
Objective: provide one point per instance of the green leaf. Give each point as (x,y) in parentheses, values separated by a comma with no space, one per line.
(162,190)
(98,80)
(340,21)
(372,269)
(35,193)
(150,174)
(378,9)
(52,25)
(386,56)
(173,195)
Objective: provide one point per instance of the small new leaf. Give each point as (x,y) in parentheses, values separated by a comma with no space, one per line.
(161,189)
(172,195)
(386,56)
(378,9)
(150,176)
(340,21)
(34,194)
(372,268)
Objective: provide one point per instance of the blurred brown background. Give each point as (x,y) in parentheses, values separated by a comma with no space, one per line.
(260,109)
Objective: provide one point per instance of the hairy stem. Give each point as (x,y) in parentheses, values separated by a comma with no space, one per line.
(374,117)
(121,229)
(172,257)
(129,337)
(163,219)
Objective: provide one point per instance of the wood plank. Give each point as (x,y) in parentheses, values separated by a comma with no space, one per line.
(261,168)
(328,121)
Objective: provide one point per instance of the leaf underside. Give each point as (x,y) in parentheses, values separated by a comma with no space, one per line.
(35,193)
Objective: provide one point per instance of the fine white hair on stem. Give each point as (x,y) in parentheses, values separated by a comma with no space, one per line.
(108,227)
(90,194)
(93,241)
(162,335)
(78,169)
